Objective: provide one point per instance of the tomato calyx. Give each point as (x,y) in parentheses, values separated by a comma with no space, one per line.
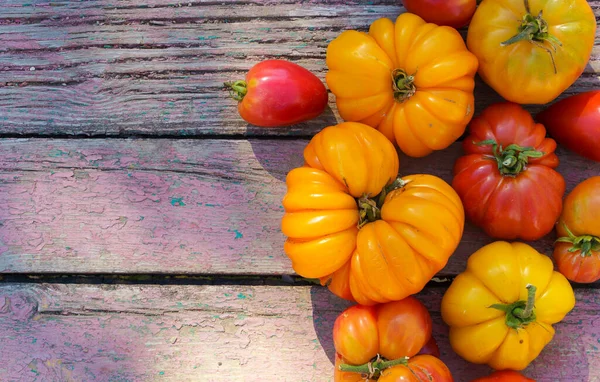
(403,85)
(584,243)
(373,369)
(370,208)
(520,313)
(535,30)
(237,89)
(512,159)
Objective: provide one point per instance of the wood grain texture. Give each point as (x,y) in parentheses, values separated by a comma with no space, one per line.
(54,332)
(121,68)
(172,206)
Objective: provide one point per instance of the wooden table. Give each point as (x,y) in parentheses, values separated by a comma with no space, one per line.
(140,216)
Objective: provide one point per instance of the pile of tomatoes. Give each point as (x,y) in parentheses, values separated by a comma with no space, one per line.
(375,238)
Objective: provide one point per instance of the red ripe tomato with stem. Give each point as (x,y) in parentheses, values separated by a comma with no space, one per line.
(507,179)
(453,13)
(279,93)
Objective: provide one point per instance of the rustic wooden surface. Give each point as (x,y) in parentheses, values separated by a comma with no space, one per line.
(214,333)
(199,195)
(172,206)
(119,67)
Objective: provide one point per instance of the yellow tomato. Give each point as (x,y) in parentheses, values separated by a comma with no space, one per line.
(501,309)
(411,80)
(531,51)
(367,235)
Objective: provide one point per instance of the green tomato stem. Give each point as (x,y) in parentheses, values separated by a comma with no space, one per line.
(403,85)
(513,159)
(374,368)
(535,30)
(584,243)
(520,313)
(237,89)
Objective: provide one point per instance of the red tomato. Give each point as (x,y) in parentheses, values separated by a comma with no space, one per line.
(504,376)
(506,180)
(577,250)
(454,13)
(393,330)
(431,348)
(575,123)
(279,93)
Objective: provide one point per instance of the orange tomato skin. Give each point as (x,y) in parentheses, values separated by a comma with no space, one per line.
(422,368)
(386,260)
(524,72)
(434,112)
(504,376)
(581,209)
(393,330)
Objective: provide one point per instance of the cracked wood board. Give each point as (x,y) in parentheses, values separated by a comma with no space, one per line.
(172,206)
(223,333)
(121,68)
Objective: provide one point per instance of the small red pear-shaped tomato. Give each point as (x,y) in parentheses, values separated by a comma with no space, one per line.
(279,93)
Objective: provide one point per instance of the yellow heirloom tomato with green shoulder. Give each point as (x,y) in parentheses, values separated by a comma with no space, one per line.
(411,80)
(530,51)
(502,308)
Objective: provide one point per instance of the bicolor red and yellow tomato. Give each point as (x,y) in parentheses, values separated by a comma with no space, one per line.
(279,93)
(577,250)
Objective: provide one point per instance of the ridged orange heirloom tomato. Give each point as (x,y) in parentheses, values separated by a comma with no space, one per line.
(279,93)
(381,342)
(502,307)
(411,80)
(577,250)
(504,376)
(532,51)
(366,234)
(506,179)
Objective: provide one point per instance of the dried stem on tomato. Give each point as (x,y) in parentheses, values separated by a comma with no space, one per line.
(584,243)
(237,89)
(370,208)
(403,85)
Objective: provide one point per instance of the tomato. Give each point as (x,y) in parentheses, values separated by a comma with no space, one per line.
(453,13)
(421,368)
(504,376)
(577,250)
(506,179)
(574,122)
(394,330)
(279,93)
(370,237)
(411,80)
(531,51)
(502,307)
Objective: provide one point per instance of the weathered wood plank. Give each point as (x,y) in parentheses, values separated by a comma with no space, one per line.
(223,333)
(104,68)
(171,206)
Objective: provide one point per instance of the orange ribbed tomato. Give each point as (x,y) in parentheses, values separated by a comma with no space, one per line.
(367,235)
(411,80)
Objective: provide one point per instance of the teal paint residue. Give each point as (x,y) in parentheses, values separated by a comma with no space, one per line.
(207,38)
(54,153)
(161,373)
(177,202)
(34,340)
(241,296)
(227,294)
(238,234)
